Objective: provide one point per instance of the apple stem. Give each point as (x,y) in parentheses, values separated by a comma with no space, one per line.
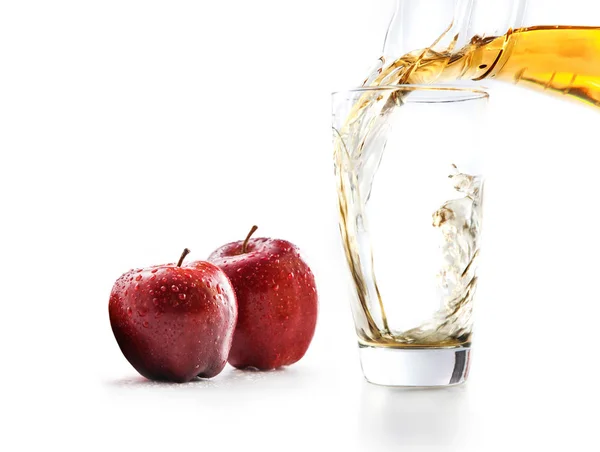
(185,253)
(252,231)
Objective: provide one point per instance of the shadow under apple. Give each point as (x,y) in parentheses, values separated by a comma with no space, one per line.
(230,378)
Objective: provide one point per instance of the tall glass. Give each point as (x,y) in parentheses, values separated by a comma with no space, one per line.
(409,176)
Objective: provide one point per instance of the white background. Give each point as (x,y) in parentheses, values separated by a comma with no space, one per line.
(131,129)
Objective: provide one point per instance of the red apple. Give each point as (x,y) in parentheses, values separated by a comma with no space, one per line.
(277,301)
(174,322)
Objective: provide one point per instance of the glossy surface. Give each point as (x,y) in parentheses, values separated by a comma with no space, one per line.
(174,323)
(277,300)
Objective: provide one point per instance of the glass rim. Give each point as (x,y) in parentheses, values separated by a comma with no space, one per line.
(448,93)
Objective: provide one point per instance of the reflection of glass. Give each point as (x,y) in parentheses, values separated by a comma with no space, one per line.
(394,419)
(410,197)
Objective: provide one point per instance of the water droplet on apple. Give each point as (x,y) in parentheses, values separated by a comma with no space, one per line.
(129,312)
(137,287)
(163,288)
(193,285)
(174,288)
(151,292)
(153,277)
(126,292)
(158,314)
(145,324)
(182,296)
(154,270)
(142,313)
(163,279)
(291,275)
(138,278)
(219,289)
(239,269)
(276,287)
(155,301)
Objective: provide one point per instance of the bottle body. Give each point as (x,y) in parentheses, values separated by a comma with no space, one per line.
(486,40)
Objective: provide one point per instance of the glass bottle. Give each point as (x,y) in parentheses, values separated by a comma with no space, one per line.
(539,44)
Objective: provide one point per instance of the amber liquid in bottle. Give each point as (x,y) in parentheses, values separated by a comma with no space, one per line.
(563,60)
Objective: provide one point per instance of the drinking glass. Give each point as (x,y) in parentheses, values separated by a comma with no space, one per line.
(408,166)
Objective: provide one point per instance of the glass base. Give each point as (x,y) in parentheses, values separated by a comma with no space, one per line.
(415,367)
